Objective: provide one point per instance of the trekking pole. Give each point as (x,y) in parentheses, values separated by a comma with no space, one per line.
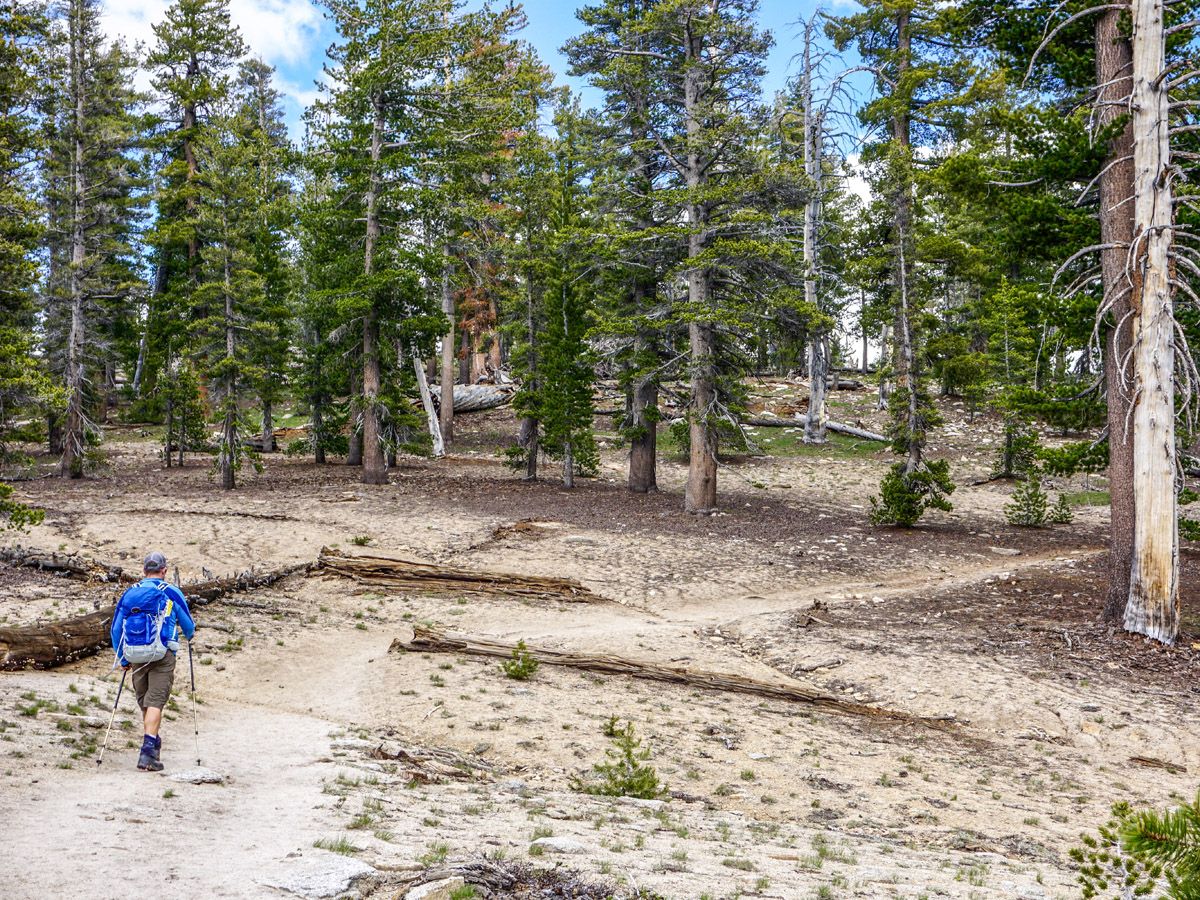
(113,717)
(195,718)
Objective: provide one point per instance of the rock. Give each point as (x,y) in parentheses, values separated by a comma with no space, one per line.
(198,775)
(436,890)
(516,786)
(560,845)
(321,874)
(1005,551)
(578,539)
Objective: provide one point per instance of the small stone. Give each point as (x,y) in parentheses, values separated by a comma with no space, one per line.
(579,539)
(436,890)
(198,775)
(644,803)
(1005,551)
(560,845)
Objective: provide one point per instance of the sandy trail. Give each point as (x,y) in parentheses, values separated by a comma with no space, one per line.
(772,800)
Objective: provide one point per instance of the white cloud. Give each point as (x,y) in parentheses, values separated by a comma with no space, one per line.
(281,32)
(284,33)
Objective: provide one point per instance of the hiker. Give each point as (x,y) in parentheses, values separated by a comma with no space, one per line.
(144,633)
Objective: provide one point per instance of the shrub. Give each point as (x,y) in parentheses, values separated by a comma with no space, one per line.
(521,666)
(626,773)
(903,498)
(1028,506)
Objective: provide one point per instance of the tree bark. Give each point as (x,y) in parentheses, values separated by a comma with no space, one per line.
(374,465)
(1114,73)
(229,429)
(268,426)
(73,443)
(643,444)
(818,358)
(700,494)
(1153,606)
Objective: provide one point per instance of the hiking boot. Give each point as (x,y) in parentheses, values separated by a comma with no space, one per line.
(148,762)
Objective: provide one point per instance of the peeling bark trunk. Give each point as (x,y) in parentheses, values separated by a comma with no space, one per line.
(446,408)
(1153,606)
(431,416)
(1114,72)
(374,465)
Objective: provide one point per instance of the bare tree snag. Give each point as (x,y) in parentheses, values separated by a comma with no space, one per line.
(429,640)
(1153,607)
(431,416)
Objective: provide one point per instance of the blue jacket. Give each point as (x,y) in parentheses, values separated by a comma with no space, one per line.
(179,617)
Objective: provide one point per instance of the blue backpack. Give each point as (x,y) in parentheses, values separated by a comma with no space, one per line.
(141,633)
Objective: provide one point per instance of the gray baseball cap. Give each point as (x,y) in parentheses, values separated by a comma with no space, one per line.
(154,562)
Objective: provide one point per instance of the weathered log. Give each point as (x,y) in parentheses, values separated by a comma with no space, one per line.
(403,574)
(73,565)
(55,643)
(839,427)
(429,640)
(478,397)
(51,644)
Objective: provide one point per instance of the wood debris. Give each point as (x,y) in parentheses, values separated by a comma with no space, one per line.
(430,765)
(406,575)
(429,640)
(62,641)
(71,565)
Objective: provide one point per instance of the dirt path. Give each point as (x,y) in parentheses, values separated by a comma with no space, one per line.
(768,799)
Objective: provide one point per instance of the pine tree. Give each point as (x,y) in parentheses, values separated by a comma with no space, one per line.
(703,113)
(95,188)
(632,213)
(23,385)
(565,368)
(376,128)
(900,42)
(192,61)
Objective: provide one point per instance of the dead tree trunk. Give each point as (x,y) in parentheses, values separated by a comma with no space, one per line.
(1114,74)
(818,354)
(1153,607)
(431,416)
(446,408)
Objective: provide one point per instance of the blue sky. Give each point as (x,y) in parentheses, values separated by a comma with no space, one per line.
(292,35)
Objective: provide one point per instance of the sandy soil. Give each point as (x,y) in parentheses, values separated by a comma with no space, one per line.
(1050,716)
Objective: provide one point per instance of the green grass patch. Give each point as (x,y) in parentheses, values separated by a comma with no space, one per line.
(1087,498)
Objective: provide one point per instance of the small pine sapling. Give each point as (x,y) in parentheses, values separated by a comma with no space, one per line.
(1028,506)
(1061,513)
(625,773)
(522,666)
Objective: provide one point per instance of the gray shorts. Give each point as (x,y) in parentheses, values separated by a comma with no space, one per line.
(152,682)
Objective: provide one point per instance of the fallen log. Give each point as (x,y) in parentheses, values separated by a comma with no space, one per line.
(73,565)
(429,640)
(836,427)
(403,574)
(45,646)
(55,643)
(478,397)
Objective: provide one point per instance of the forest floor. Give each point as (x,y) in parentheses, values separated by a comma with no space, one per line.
(1042,716)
